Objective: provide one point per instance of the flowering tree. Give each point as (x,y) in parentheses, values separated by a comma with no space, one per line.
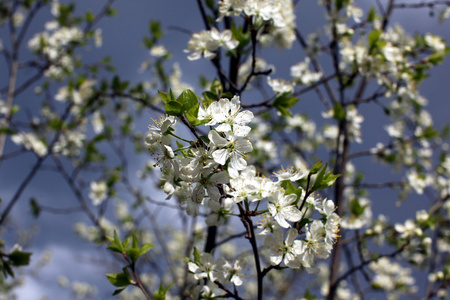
(237,223)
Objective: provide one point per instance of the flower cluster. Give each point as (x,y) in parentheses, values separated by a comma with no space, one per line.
(277,18)
(212,174)
(53,44)
(206,43)
(222,270)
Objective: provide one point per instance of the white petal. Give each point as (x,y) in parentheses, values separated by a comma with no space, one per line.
(281,221)
(291,213)
(288,199)
(291,235)
(238,162)
(221,177)
(276,259)
(244,117)
(329,207)
(244,146)
(220,156)
(216,139)
(224,127)
(241,130)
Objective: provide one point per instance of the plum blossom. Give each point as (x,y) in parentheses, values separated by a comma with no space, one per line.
(229,147)
(209,183)
(204,268)
(281,208)
(205,43)
(31,142)
(228,114)
(99,192)
(288,249)
(316,245)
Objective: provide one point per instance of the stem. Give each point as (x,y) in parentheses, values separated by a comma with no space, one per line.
(184,140)
(33,171)
(138,279)
(248,223)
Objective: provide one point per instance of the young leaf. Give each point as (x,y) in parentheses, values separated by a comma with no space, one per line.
(118,291)
(164,97)
(133,254)
(160,294)
(6,269)
(116,243)
(373,39)
(316,168)
(173,108)
(371,15)
(135,243)
(145,248)
(35,208)
(118,279)
(188,100)
(339,112)
(197,256)
(19,258)
(319,178)
(283,102)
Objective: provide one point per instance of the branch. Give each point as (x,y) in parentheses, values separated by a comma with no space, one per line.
(364,263)
(247,221)
(229,293)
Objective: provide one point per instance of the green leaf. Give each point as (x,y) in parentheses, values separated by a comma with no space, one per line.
(19,258)
(119,279)
(35,208)
(133,254)
(116,244)
(188,100)
(126,242)
(135,243)
(356,208)
(371,15)
(208,98)
(110,11)
(118,291)
(316,168)
(340,4)
(429,133)
(283,102)
(6,269)
(319,178)
(436,58)
(327,180)
(339,112)
(197,256)
(165,97)
(373,38)
(89,16)
(210,4)
(289,188)
(180,149)
(7,131)
(145,248)
(160,293)
(155,29)
(244,38)
(192,114)
(174,108)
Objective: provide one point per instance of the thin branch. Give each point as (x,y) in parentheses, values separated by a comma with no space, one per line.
(366,262)
(228,292)
(248,223)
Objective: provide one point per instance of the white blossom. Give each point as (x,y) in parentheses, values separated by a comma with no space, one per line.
(99,192)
